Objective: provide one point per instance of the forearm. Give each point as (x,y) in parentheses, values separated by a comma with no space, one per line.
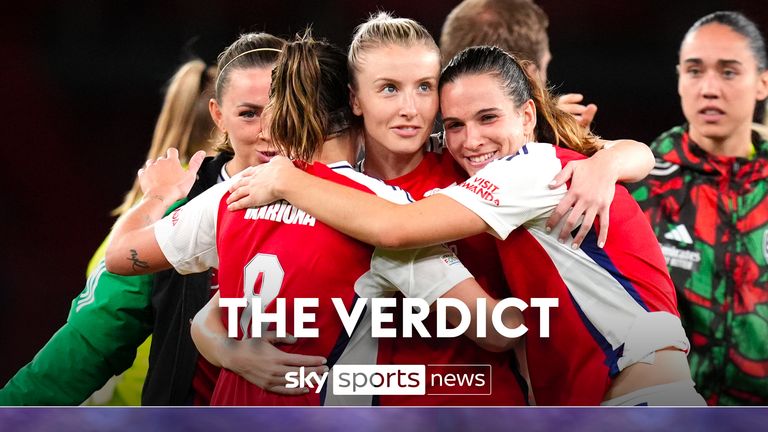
(209,333)
(132,249)
(469,292)
(374,220)
(632,160)
(350,211)
(511,318)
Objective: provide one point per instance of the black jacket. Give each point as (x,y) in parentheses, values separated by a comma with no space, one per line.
(176,299)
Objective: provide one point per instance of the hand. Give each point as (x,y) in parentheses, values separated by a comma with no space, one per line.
(256,185)
(593,185)
(166,178)
(571,103)
(262,364)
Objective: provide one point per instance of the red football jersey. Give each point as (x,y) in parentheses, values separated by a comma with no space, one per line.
(616,305)
(479,255)
(280,251)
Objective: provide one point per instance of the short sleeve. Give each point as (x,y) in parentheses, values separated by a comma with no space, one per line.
(187,236)
(425,273)
(512,191)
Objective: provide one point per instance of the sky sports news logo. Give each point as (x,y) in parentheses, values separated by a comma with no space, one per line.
(458,380)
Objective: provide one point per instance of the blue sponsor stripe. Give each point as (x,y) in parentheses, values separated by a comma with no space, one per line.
(601,258)
(611,356)
(589,246)
(341,344)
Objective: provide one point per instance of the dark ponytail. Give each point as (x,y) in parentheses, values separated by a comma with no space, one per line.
(309,97)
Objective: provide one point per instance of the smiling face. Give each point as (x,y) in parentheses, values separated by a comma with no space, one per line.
(481,122)
(239,114)
(718,86)
(395,92)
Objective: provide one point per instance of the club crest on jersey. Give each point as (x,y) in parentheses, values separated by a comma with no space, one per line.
(436,190)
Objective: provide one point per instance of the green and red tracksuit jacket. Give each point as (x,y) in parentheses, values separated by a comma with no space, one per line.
(710,215)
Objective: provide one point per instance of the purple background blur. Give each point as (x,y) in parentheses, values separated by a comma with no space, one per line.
(385,419)
(82,87)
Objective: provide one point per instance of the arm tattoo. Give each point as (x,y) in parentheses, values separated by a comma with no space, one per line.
(134,258)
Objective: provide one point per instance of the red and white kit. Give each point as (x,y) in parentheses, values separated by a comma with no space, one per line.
(478,253)
(279,251)
(617,304)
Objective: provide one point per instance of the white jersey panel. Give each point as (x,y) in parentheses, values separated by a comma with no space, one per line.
(610,308)
(187,236)
(425,273)
(514,190)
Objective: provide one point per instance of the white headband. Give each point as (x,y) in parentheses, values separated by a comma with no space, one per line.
(221,72)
